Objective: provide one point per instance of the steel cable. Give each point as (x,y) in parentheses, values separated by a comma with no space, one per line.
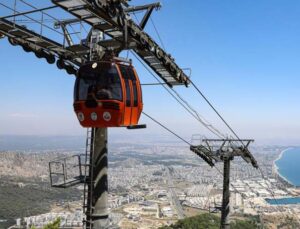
(217,133)
(185,141)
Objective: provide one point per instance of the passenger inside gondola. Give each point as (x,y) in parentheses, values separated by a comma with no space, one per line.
(107,94)
(91,100)
(102,85)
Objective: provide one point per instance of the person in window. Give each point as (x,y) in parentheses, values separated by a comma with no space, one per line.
(91,97)
(104,93)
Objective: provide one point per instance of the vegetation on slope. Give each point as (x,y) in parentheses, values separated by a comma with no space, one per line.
(53,225)
(210,221)
(30,199)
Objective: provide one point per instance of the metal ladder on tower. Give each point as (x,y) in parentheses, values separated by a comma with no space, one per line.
(88,180)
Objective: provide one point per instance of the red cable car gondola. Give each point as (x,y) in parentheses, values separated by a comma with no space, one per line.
(108,94)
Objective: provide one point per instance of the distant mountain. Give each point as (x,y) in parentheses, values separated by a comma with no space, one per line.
(26,143)
(27,165)
(40,143)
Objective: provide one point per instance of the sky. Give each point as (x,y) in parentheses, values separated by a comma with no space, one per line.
(244,57)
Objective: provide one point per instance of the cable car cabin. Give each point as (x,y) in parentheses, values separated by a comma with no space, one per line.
(108,94)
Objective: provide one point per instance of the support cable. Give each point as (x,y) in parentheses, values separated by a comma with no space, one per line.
(192,111)
(208,102)
(204,122)
(182,139)
(32,6)
(197,117)
(235,134)
(158,35)
(42,24)
(215,110)
(264,178)
(166,128)
(52,17)
(155,28)
(196,114)
(30,21)
(74,32)
(152,84)
(272,193)
(183,102)
(15,8)
(218,170)
(136,18)
(201,119)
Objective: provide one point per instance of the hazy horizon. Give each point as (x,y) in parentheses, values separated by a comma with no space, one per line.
(74,141)
(244,59)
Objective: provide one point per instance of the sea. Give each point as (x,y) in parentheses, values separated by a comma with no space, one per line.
(284,201)
(288,165)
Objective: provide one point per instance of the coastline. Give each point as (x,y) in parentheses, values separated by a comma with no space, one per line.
(277,169)
(286,200)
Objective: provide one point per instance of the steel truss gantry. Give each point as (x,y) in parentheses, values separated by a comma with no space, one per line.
(112,18)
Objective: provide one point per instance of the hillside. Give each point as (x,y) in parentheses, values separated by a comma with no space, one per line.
(24,187)
(210,221)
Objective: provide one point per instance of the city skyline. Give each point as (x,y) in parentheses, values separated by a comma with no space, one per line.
(233,50)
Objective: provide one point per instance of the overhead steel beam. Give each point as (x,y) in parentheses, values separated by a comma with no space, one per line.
(146,17)
(113,20)
(131,9)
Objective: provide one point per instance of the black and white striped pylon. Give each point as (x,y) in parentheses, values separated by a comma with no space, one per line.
(98,174)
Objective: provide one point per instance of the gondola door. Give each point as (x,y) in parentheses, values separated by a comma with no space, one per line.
(128,103)
(135,113)
(128,95)
(133,100)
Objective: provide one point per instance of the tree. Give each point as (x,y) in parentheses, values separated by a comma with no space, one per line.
(205,221)
(241,224)
(209,221)
(54,225)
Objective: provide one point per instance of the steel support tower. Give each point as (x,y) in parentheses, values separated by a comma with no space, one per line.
(91,171)
(96,185)
(224,150)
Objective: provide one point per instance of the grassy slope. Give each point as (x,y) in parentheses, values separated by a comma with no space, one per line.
(209,221)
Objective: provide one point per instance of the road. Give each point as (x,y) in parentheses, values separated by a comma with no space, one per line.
(174,198)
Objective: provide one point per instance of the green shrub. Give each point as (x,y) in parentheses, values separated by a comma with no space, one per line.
(54,225)
(209,221)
